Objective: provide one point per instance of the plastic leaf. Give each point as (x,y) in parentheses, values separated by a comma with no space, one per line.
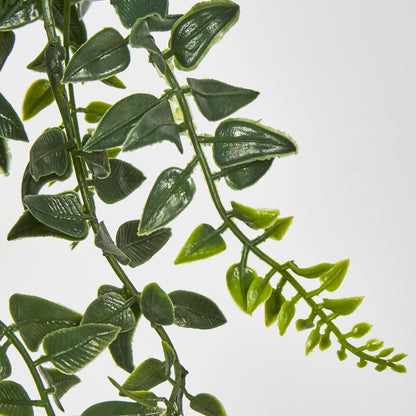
(4,156)
(19,13)
(63,212)
(312,341)
(98,163)
(6,46)
(344,306)
(147,375)
(342,355)
(193,310)
(48,154)
(217,100)
(238,283)
(115,125)
(204,242)
(155,125)
(11,127)
(131,10)
(103,55)
(258,292)
(114,81)
(140,248)
(385,352)
(170,195)
(285,316)
(157,24)
(398,368)
(104,241)
(302,324)
(279,228)
(242,176)
(122,352)
(360,330)
(71,349)
(122,181)
(325,341)
(373,344)
(39,63)
(312,272)
(272,307)
(14,401)
(254,218)
(5,366)
(398,357)
(37,317)
(156,306)
(207,404)
(243,141)
(199,29)
(95,110)
(118,408)
(170,356)
(333,278)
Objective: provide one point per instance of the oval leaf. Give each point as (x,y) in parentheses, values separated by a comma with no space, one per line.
(285,316)
(15,14)
(14,401)
(170,195)
(148,374)
(156,306)
(6,46)
(254,218)
(204,242)
(238,283)
(38,96)
(11,127)
(199,29)
(207,404)
(37,317)
(71,349)
(193,310)
(103,55)
(343,306)
(122,352)
(114,82)
(258,292)
(118,408)
(4,157)
(272,307)
(312,341)
(95,110)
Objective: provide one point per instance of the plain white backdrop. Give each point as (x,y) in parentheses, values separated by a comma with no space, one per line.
(339,77)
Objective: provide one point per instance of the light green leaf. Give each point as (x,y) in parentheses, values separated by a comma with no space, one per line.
(103,55)
(312,272)
(243,141)
(37,317)
(272,307)
(333,278)
(11,127)
(312,341)
(373,344)
(48,154)
(279,228)
(344,306)
(204,242)
(254,217)
(285,316)
(114,81)
(115,125)
(193,310)
(63,212)
(122,181)
(238,283)
(38,96)
(6,46)
(71,349)
(5,366)
(104,241)
(19,13)
(258,292)
(118,408)
(199,29)
(207,404)
(170,195)
(156,306)
(4,156)
(140,248)
(359,330)
(14,401)
(148,374)
(95,110)
(170,356)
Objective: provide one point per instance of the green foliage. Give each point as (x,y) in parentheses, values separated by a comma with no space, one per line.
(14,401)
(38,96)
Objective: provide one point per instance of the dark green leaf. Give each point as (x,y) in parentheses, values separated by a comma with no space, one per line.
(14,401)
(272,307)
(11,126)
(207,404)
(312,272)
(312,341)
(193,310)
(217,100)
(156,306)
(238,283)
(258,292)
(37,317)
(95,110)
(114,81)
(5,366)
(98,163)
(155,125)
(170,356)
(285,316)
(254,218)
(279,228)
(333,278)
(4,157)
(170,195)
(104,241)
(343,306)
(199,29)
(71,349)
(131,10)
(242,141)
(48,154)
(122,181)
(118,408)
(157,24)
(147,375)
(39,63)
(122,352)
(140,248)
(6,46)
(119,120)
(204,242)
(19,13)
(63,212)
(103,55)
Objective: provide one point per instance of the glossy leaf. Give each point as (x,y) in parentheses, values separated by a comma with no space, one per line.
(333,278)
(272,307)
(104,241)
(140,248)
(344,306)
(360,330)
(115,125)
(207,404)
(48,155)
(71,349)
(6,46)
(122,181)
(279,228)
(157,24)
(398,357)
(118,408)
(312,272)
(285,316)
(103,55)
(217,100)
(243,141)
(199,29)
(150,373)
(14,401)
(19,13)
(258,292)
(131,10)
(155,125)
(98,163)
(373,344)
(114,81)
(11,127)
(5,366)
(204,242)
(238,283)
(312,341)
(302,324)
(193,310)
(95,110)
(325,341)
(4,157)
(63,212)
(255,218)
(170,195)
(398,368)
(37,317)
(156,306)
(122,352)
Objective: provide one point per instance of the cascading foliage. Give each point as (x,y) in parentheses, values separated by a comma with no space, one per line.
(242,150)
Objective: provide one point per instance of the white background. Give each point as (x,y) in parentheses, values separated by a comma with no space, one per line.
(339,77)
